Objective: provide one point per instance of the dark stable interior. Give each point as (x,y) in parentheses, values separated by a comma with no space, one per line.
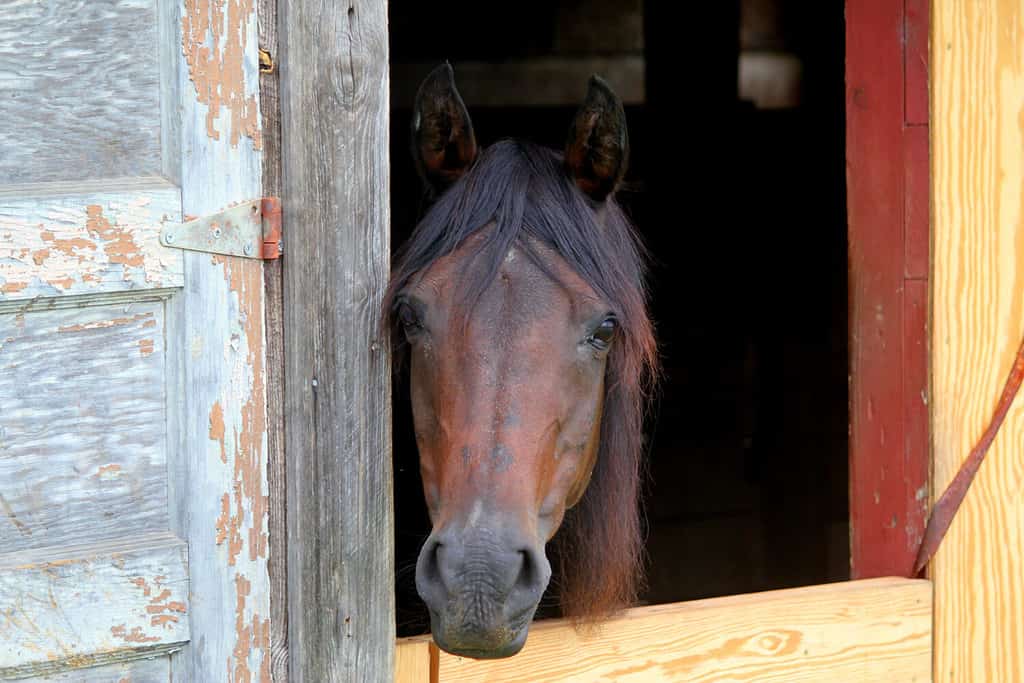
(740,197)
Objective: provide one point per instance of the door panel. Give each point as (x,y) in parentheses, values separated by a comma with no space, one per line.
(90,603)
(57,240)
(133,494)
(84,424)
(80,90)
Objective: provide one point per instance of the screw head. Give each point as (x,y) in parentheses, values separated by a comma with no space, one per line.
(168,237)
(247,249)
(216,232)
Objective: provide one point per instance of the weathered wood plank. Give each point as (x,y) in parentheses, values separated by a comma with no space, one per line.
(155,670)
(334,73)
(219,495)
(854,632)
(977,325)
(86,604)
(273,281)
(79,90)
(62,240)
(82,426)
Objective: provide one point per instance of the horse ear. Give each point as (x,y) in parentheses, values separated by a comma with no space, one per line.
(597,151)
(443,144)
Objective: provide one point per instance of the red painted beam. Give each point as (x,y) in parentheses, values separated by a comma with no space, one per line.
(888,456)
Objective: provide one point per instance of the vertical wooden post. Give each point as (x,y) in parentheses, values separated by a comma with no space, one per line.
(334,125)
(887,158)
(273,282)
(978,318)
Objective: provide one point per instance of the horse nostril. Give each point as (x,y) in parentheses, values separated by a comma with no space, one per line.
(527,570)
(429,568)
(533,572)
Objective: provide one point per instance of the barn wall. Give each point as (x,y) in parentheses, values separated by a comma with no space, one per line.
(978,321)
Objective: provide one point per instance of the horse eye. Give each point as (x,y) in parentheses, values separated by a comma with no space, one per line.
(408,318)
(601,338)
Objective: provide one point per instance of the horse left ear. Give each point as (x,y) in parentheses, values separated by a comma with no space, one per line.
(597,151)
(443,143)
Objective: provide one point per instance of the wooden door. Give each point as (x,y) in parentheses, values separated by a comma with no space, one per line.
(133,506)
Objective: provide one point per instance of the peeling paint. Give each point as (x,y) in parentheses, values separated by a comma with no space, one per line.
(214,42)
(141,583)
(101,324)
(224,519)
(12,287)
(84,244)
(254,634)
(136,635)
(164,620)
(217,430)
(145,347)
(67,247)
(121,246)
(241,527)
(108,472)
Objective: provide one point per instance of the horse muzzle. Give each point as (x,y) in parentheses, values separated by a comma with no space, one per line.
(482,589)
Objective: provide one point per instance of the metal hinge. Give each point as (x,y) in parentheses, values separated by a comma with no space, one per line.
(251,229)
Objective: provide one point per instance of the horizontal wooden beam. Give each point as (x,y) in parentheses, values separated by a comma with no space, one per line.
(538,82)
(858,631)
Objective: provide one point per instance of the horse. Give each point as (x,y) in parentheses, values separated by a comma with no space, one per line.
(520,304)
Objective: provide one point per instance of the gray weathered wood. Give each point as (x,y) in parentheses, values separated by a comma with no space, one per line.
(78,93)
(91,604)
(270,110)
(62,239)
(82,424)
(219,485)
(155,670)
(334,123)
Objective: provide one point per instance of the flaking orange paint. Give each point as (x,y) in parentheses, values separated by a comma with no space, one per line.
(245,280)
(251,634)
(120,245)
(216,68)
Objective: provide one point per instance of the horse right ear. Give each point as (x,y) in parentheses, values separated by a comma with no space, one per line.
(443,144)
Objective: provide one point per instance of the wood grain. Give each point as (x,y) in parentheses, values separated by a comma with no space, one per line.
(79,90)
(334,126)
(273,281)
(84,604)
(978,322)
(219,478)
(414,659)
(82,424)
(60,240)
(854,632)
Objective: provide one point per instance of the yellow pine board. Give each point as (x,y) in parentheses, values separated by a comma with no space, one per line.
(870,631)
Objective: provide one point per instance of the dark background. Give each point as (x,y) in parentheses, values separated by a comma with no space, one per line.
(737,185)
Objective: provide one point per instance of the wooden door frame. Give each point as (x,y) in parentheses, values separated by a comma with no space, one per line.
(888,209)
(341,379)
